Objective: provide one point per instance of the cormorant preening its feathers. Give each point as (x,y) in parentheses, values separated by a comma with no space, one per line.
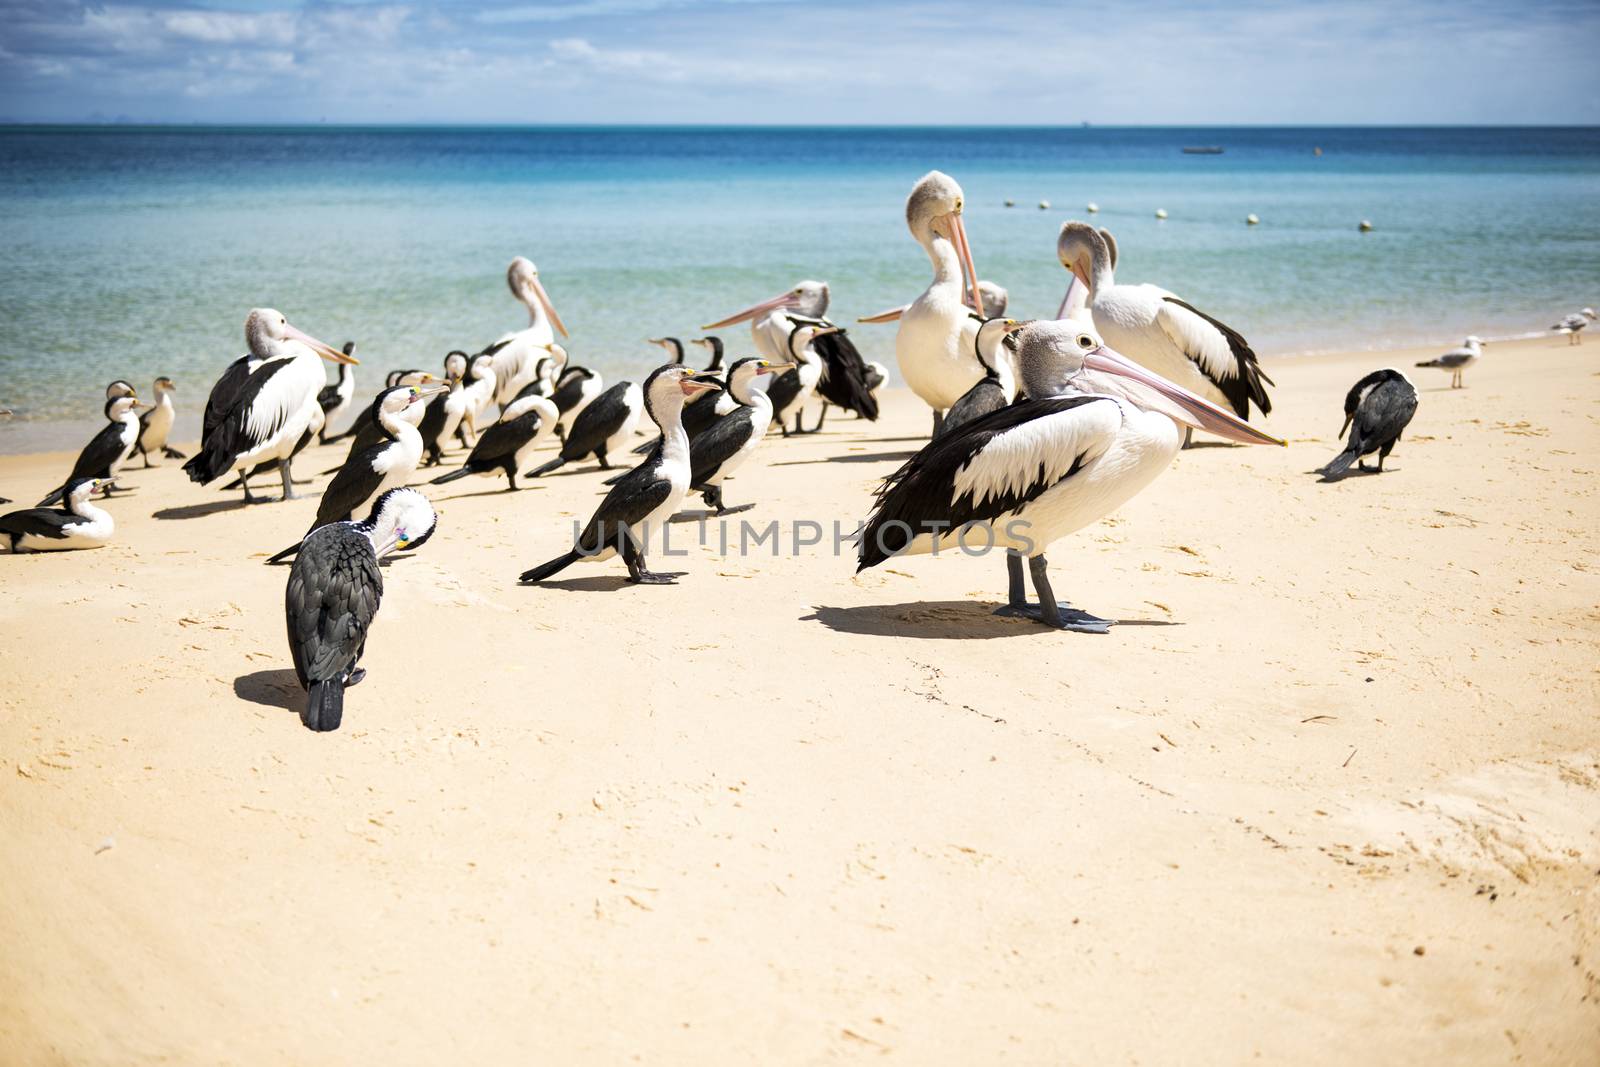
(637,508)
(333,593)
(1377,410)
(107,450)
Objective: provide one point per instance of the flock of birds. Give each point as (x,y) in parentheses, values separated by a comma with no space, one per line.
(1039,428)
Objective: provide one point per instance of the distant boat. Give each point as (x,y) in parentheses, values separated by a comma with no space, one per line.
(1202,150)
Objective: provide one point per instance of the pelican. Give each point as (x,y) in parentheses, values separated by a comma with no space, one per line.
(1094,430)
(934,342)
(1457,360)
(1573,325)
(274,407)
(1157,330)
(516,354)
(995,301)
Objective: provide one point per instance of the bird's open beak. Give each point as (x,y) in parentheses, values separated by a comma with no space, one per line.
(782,300)
(693,386)
(774,368)
(327,352)
(958,236)
(428,392)
(886,316)
(1181,404)
(544,302)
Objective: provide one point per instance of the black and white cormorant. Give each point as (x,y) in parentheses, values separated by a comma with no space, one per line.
(714,344)
(724,446)
(155,424)
(107,450)
(996,348)
(369,431)
(442,419)
(634,513)
(700,411)
(335,399)
(790,391)
(375,470)
(333,593)
(605,426)
(79,525)
(271,414)
(509,443)
(574,389)
(1094,430)
(120,387)
(1377,410)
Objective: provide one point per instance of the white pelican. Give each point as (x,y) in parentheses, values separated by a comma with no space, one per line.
(1457,360)
(1094,430)
(934,342)
(1573,325)
(274,407)
(1157,330)
(516,354)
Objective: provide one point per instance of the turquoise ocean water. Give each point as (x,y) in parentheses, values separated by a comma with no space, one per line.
(133,252)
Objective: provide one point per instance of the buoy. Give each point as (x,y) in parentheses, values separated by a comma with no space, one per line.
(1011,203)
(1044,205)
(1365,227)
(1092,207)
(1251,220)
(1316,151)
(1161,212)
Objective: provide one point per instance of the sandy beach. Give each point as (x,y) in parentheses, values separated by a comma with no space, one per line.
(1329,794)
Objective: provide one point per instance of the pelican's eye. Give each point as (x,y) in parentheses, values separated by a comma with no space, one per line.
(1085,341)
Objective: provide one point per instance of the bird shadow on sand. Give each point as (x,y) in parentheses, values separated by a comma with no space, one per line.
(939,620)
(273,689)
(598,583)
(851,457)
(200,511)
(502,491)
(1353,472)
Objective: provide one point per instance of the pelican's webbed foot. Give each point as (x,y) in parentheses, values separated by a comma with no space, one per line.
(1048,611)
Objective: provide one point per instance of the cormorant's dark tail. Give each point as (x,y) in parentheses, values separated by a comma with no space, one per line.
(56,496)
(172,453)
(615,478)
(324,705)
(1341,463)
(460,472)
(555,566)
(285,554)
(559,461)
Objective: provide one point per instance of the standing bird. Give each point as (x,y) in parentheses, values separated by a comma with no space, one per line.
(770,320)
(516,354)
(934,342)
(1377,410)
(638,507)
(107,450)
(724,446)
(789,392)
(368,431)
(1094,430)
(274,409)
(995,345)
(156,423)
(120,387)
(1457,360)
(509,443)
(5,413)
(335,399)
(573,390)
(1158,331)
(1573,325)
(442,417)
(713,343)
(42,529)
(333,593)
(700,411)
(375,470)
(477,396)
(604,426)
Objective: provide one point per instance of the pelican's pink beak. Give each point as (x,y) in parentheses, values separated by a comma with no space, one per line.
(1067,305)
(544,302)
(886,316)
(327,352)
(958,234)
(782,300)
(1181,404)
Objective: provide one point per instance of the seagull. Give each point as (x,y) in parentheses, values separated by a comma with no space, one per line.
(1377,410)
(1157,330)
(1573,325)
(1094,430)
(1457,360)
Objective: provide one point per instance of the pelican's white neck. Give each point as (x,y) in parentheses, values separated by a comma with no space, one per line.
(942,253)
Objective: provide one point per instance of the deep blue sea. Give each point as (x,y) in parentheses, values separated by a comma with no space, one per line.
(133,252)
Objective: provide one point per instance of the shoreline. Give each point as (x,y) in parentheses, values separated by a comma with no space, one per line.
(1330,788)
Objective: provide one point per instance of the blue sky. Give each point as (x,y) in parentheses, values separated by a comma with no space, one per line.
(802,61)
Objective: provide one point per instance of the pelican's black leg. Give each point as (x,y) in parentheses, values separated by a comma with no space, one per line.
(284,469)
(799,415)
(938,421)
(1188,436)
(1050,612)
(1016,592)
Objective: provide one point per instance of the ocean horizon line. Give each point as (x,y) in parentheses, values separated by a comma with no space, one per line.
(314,124)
